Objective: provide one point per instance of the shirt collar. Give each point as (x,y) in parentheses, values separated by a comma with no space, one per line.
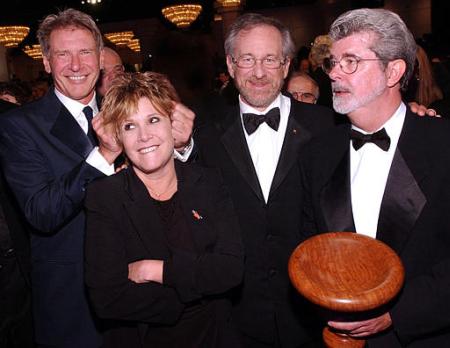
(75,107)
(393,125)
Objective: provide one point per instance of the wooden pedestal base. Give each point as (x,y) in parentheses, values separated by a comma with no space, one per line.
(335,340)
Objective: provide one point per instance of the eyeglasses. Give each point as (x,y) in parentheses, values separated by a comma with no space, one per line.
(348,64)
(248,61)
(305,97)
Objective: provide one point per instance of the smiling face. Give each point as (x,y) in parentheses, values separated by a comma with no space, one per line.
(147,140)
(258,86)
(367,87)
(74,62)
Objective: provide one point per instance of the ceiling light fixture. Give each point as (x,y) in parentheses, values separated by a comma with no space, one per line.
(12,36)
(120,38)
(33,51)
(182,15)
(134,45)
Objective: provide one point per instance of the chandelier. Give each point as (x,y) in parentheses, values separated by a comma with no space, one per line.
(120,38)
(134,45)
(228,3)
(12,36)
(34,51)
(182,15)
(92,2)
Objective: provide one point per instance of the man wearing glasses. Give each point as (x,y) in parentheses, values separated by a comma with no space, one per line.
(256,144)
(303,88)
(386,176)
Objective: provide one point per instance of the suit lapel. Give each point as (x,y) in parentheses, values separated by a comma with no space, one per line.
(67,130)
(296,135)
(335,198)
(403,199)
(233,139)
(195,205)
(144,216)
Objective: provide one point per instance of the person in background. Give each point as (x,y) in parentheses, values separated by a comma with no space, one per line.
(303,88)
(319,51)
(422,86)
(385,175)
(163,244)
(112,66)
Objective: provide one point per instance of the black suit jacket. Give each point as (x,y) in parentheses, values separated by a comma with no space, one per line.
(124,226)
(266,306)
(413,221)
(43,153)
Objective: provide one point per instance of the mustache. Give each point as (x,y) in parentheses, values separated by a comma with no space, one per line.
(337,87)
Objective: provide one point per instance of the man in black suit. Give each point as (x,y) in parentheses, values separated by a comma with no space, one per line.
(49,155)
(386,176)
(257,156)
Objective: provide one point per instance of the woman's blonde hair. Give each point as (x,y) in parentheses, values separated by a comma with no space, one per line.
(122,99)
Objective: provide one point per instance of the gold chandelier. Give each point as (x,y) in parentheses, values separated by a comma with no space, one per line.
(13,35)
(228,3)
(182,15)
(134,45)
(33,51)
(120,38)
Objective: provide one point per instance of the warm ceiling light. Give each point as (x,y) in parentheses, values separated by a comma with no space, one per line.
(92,2)
(228,3)
(182,15)
(120,38)
(12,36)
(34,51)
(134,45)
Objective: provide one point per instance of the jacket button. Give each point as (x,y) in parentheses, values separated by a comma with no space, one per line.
(272,273)
(269,237)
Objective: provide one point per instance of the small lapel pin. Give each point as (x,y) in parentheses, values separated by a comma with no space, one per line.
(294,131)
(196,215)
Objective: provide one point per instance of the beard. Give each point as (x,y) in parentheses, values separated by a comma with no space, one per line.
(350,102)
(260,98)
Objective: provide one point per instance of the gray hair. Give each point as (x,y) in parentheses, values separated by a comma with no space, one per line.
(249,21)
(393,39)
(66,19)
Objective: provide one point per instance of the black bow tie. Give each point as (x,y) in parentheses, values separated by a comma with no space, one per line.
(252,121)
(380,138)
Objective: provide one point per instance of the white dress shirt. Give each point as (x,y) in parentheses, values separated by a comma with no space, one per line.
(75,108)
(265,143)
(369,170)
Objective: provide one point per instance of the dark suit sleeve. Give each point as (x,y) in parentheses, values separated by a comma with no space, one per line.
(424,306)
(213,271)
(113,295)
(48,201)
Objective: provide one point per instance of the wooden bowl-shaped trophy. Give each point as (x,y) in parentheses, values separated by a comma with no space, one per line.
(345,272)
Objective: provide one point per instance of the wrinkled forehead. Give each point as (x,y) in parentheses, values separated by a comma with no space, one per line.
(353,45)
(259,41)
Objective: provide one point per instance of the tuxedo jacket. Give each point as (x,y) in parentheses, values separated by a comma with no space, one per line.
(413,221)
(43,152)
(124,225)
(266,306)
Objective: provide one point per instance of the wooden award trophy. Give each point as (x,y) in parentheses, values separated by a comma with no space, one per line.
(345,272)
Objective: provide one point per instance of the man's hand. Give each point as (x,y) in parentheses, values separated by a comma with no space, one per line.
(421,110)
(182,124)
(146,271)
(109,148)
(363,328)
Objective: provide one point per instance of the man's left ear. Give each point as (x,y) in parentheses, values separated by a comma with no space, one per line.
(286,65)
(395,70)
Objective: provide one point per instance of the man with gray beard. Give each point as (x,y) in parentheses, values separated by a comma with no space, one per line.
(386,176)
